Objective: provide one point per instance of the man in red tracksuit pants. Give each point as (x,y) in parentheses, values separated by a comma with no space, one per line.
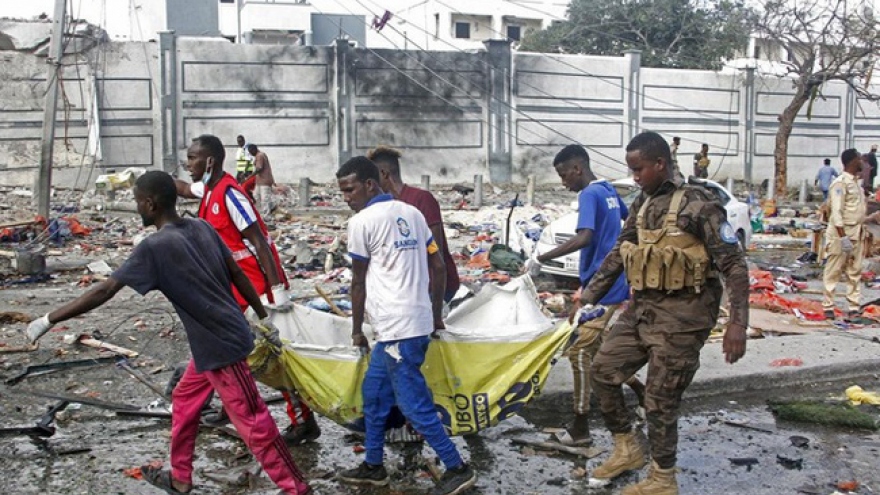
(232,214)
(188,262)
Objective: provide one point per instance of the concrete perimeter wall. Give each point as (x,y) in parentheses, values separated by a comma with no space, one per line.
(492,112)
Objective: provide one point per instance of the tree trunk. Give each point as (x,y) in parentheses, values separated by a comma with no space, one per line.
(780,153)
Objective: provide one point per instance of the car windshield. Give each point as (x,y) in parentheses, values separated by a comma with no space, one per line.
(628,193)
(722,196)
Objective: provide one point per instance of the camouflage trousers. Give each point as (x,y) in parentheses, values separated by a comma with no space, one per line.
(581,355)
(672,359)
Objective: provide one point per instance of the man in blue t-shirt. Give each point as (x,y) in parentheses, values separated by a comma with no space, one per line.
(600,214)
(825,177)
(188,262)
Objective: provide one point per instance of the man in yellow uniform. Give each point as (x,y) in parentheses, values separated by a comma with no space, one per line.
(244,161)
(845,236)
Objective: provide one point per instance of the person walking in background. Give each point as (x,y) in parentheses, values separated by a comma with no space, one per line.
(701,162)
(872,161)
(244,162)
(188,262)
(600,213)
(388,161)
(824,177)
(265,180)
(676,142)
(845,235)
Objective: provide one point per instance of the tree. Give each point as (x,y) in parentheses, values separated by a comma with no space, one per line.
(669,33)
(823,41)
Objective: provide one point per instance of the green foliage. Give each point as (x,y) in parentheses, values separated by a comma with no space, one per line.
(823,413)
(669,33)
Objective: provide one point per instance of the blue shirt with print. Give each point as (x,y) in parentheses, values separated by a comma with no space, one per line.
(601,210)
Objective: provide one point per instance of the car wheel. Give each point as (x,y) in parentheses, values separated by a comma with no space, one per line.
(741,237)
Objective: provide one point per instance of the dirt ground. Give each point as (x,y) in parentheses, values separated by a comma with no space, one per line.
(93,447)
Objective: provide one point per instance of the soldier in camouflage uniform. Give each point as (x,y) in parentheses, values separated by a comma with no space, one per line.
(675,245)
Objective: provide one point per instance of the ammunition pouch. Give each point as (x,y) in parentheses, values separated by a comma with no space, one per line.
(667,258)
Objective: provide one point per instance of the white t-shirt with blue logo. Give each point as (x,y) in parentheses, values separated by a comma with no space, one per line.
(393,236)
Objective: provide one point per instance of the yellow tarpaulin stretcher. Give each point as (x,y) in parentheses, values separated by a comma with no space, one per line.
(492,359)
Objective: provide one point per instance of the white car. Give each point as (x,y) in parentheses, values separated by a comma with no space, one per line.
(563,228)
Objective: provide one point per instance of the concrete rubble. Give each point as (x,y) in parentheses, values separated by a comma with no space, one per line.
(92,233)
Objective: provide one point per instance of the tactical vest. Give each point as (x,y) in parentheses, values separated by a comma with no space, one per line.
(666,258)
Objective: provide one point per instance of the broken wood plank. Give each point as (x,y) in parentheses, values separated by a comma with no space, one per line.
(87,340)
(10,349)
(333,306)
(586,452)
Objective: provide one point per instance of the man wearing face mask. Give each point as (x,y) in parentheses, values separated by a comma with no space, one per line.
(227,208)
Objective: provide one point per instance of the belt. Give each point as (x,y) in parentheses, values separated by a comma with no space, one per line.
(241,254)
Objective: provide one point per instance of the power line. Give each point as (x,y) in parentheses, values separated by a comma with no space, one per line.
(511,107)
(485,90)
(617,85)
(430,91)
(582,71)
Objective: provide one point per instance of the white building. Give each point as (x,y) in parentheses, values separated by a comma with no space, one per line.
(406,24)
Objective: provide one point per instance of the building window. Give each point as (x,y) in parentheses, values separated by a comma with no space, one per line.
(227,1)
(514,33)
(463,30)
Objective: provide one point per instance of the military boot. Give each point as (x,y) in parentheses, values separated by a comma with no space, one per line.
(628,455)
(659,482)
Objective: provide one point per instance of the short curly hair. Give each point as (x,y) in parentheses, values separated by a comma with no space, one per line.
(386,156)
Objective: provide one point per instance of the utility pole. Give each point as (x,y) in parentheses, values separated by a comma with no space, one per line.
(56,50)
(238,21)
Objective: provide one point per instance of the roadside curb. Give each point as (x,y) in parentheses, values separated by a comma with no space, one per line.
(556,398)
(826,356)
(782,378)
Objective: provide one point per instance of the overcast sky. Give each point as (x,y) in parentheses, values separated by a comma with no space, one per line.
(118,18)
(127,19)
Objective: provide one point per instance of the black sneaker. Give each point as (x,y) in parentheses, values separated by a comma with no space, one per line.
(365,474)
(299,434)
(455,481)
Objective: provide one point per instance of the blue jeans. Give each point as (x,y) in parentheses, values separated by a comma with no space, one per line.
(395,378)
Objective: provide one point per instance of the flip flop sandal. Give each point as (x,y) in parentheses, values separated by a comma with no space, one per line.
(565,438)
(160,479)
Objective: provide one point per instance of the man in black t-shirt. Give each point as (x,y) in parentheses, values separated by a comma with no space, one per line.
(188,262)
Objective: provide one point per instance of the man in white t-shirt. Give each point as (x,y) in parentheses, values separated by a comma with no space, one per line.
(391,249)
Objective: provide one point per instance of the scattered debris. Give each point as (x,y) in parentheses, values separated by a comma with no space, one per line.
(799,441)
(44,426)
(790,463)
(848,486)
(777,363)
(858,396)
(40,369)
(748,462)
(585,452)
